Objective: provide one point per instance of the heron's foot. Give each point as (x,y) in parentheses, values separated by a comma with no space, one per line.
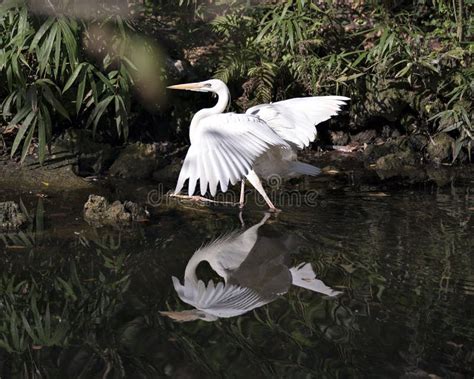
(274,210)
(202,199)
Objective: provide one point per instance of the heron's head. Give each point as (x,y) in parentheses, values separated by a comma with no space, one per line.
(212,85)
(190,315)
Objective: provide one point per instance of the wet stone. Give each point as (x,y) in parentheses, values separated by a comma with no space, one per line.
(365,136)
(11,216)
(400,164)
(339,138)
(440,148)
(99,212)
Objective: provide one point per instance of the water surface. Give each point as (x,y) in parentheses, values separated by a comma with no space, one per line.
(78,301)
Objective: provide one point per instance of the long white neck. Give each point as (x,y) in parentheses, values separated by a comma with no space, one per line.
(222,103)
(190,271)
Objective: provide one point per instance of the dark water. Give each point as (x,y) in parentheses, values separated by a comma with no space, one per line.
(77,301)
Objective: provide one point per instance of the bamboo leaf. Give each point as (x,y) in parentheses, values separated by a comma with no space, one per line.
(104,80)
(41,138)
(28,328)
(48,94)
(20,115)
(73,77)
(21,132)
(80,91)
(99,111)
(27,142)
(40,33)
(46,48)
(57,54)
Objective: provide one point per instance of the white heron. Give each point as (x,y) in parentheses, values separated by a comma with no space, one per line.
(255,269)
(228,147)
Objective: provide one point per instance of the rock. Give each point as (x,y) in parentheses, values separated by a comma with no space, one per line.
(374,152)
(87,156)
(400,164)
(170,172)
(418,142)
(339,138)
(440,148)
(441,175)
(137,161)
(99,212)
(11,216)
(365,136)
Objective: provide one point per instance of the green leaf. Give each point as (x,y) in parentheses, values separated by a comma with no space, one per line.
(41,138)
(21,132)
(47,121)
(27,142)
(104,80)
(48,94)
(98,112)
(80,91)
(57,54)
(69,41)
(14,333)
(40,33)
(73,77)
(28,328)
(291,37)
(20,115)
(46,48)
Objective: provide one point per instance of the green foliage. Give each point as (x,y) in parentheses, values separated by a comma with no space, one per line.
(356,50)
(49,78)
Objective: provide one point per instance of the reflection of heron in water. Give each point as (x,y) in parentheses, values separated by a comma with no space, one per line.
(256,272)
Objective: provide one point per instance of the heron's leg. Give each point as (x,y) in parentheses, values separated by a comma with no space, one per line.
(241,219)
(242,194)
(255,181)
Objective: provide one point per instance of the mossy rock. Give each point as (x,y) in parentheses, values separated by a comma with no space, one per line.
(11,216)
(99,212)
(401,164)
(395,145)
(440,148)
(137,161)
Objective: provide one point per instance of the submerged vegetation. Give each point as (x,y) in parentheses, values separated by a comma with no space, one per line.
(79,301)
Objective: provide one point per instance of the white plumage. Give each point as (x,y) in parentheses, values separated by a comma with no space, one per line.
(255,272)
(224,149)
(229,147)
(294,120)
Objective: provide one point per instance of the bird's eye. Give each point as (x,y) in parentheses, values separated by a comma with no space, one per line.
(208,85)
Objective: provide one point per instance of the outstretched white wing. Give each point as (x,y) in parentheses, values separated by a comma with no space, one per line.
(294,120)
(224,148)
(220,300)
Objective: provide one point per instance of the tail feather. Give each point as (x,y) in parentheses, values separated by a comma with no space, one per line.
(300,168)
(304,276)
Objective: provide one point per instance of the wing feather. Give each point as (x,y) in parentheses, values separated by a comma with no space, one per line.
(224,149)
(221,300)
(294,120)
